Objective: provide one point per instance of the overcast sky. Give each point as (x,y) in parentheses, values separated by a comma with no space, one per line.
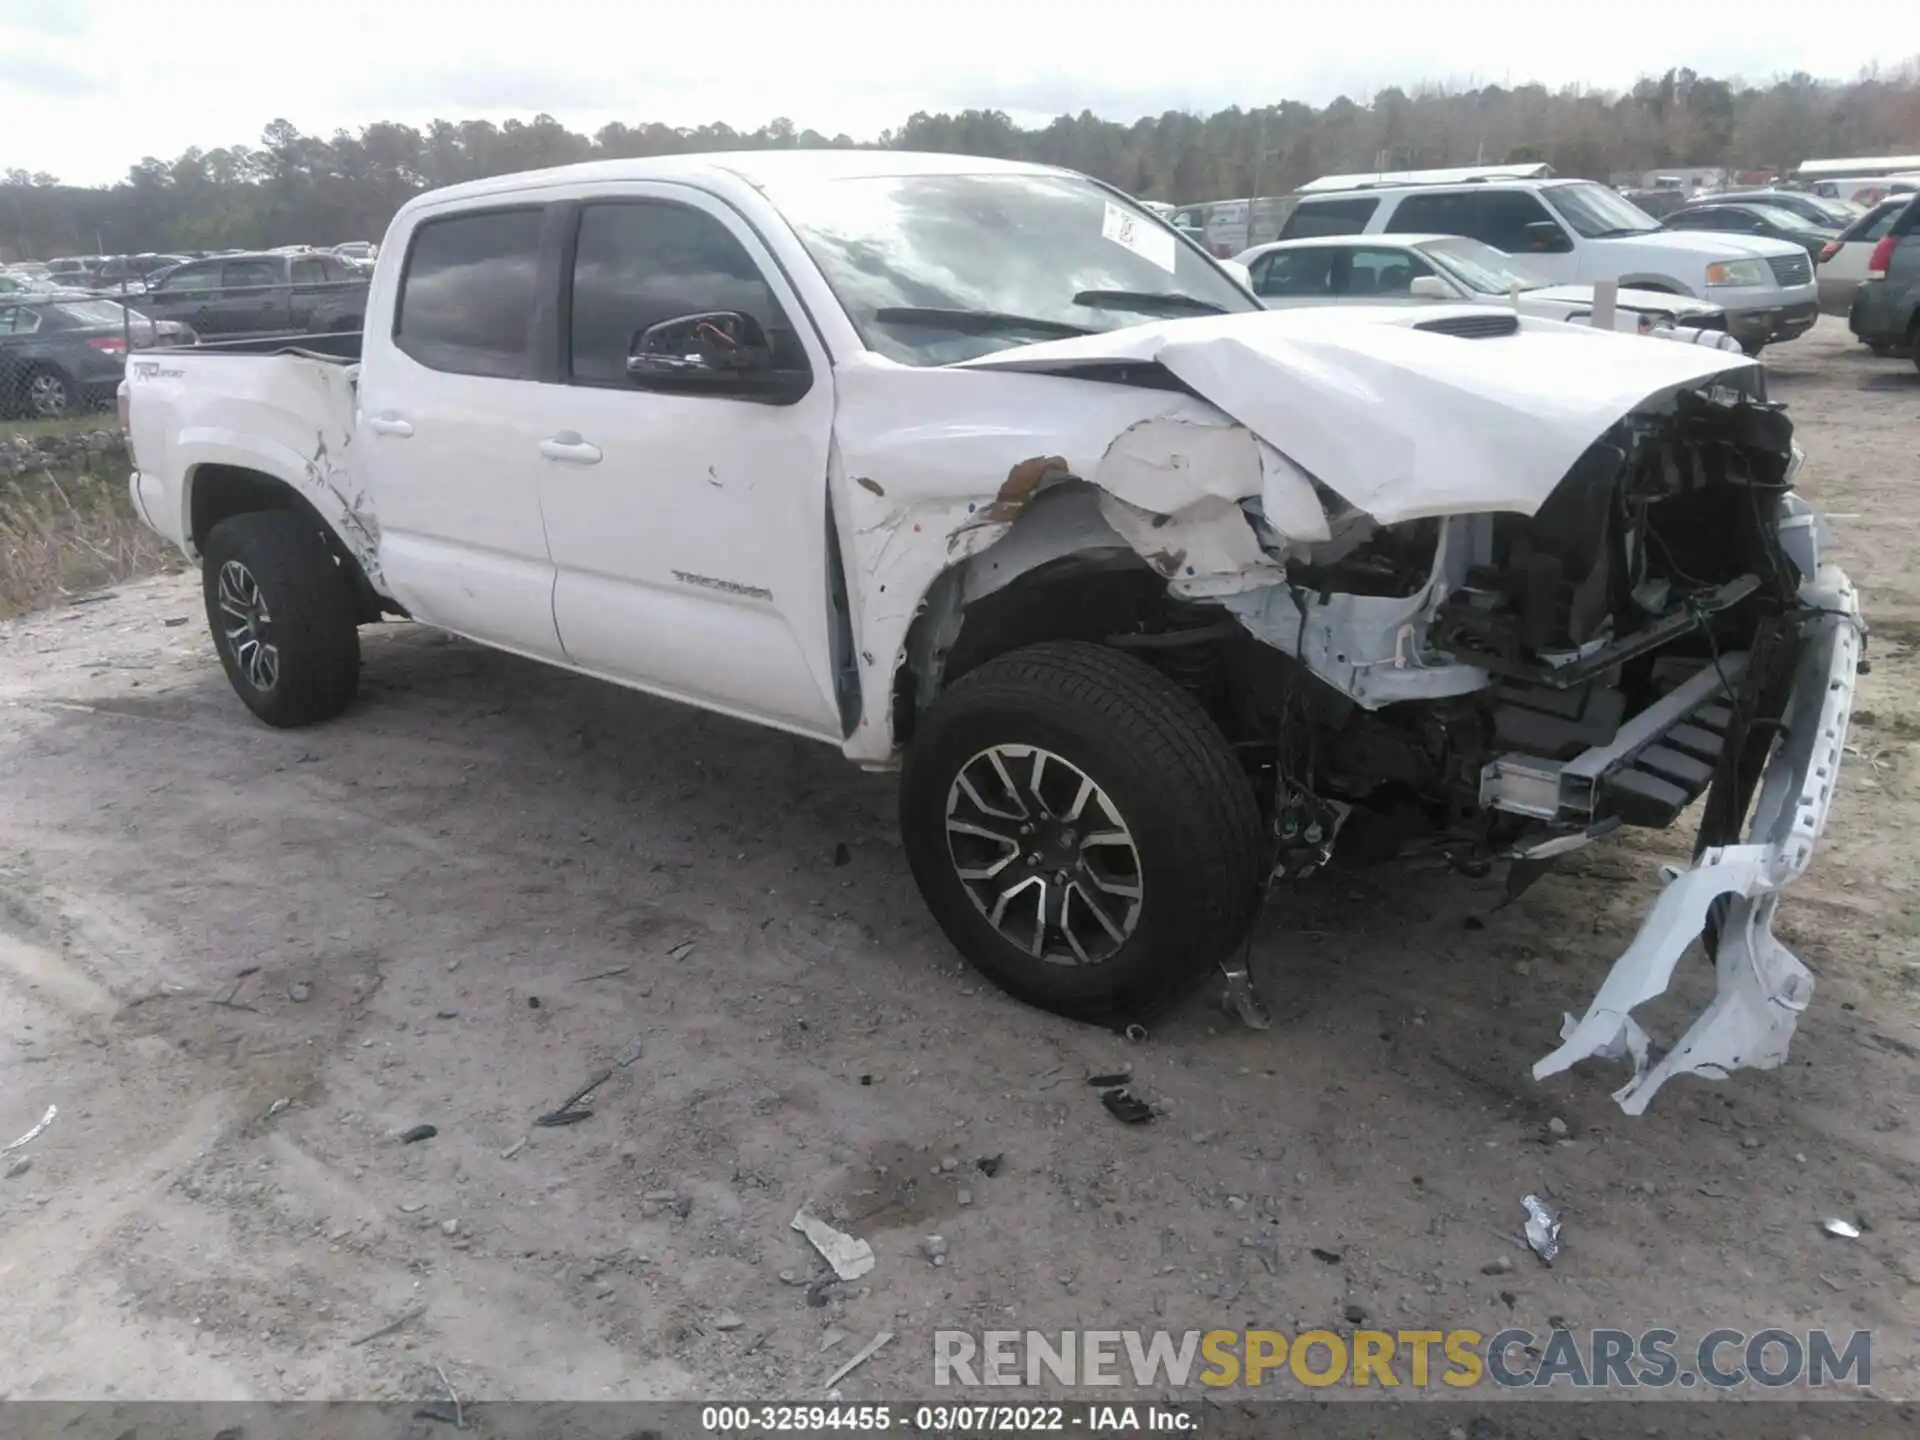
(87,87)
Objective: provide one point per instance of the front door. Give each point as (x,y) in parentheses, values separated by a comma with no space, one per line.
(688,530)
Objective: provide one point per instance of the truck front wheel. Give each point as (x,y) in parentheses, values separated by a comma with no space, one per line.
(1081,830)
(282,614)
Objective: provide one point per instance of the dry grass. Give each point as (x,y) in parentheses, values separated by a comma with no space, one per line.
(66,531)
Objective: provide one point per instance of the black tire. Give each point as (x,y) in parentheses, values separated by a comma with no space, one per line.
(1882,348)
(1173,781)
(308,617)
(1753,348)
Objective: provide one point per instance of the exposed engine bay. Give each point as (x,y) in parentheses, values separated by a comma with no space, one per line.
(1492,687)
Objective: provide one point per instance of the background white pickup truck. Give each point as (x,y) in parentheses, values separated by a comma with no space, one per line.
(983,469)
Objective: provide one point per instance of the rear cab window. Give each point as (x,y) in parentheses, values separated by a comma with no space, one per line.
(468,292)
(1312,218)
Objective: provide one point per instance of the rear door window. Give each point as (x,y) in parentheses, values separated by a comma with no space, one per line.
(309,272)
(191,278)
(1387,274)
(1874,225)
(1329,217)
(1295,274)
(248,274)
(92,313)
(467,295)
(1444,214)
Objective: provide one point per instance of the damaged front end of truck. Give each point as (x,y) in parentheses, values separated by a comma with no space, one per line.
(1445,602)
(1662,631)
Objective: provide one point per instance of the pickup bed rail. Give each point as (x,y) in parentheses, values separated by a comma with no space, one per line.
(338,347)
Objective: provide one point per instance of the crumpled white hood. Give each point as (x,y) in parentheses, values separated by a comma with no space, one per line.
(1399,422)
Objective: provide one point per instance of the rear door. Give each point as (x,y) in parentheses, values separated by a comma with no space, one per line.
(252,299)
(451,411)
(310,294)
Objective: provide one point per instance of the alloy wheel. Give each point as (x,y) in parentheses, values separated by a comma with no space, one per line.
(248,627)
(1044,854)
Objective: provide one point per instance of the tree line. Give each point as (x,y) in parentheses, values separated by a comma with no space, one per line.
(294,187)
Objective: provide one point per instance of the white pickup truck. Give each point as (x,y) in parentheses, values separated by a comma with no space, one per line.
(1157,598)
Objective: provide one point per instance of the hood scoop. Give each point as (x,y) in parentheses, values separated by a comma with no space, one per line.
(1472,327)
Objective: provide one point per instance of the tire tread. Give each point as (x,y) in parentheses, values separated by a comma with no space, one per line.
(312,604)
(1160,734)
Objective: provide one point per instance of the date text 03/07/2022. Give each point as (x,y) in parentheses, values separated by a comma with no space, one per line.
(946,1419)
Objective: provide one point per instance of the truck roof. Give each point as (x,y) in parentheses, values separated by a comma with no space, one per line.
(759,168)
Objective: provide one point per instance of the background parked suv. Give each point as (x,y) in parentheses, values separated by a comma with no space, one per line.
(262,294)
(1577,231)
(1886,309)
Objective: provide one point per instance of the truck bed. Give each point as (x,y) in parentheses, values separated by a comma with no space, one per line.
(281,408)
(337,348)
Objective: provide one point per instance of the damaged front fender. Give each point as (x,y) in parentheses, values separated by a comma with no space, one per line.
(938,467)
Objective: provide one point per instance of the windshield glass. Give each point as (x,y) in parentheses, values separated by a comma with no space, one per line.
(92,312)
(935,269)
(1481,267)
(1596,212)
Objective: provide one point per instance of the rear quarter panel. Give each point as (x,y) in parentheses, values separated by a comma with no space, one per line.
(282,416)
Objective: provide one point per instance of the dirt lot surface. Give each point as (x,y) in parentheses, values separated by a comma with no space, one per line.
(242,962)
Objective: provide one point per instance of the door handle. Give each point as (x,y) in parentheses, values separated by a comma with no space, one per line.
(390,425)
(570,448)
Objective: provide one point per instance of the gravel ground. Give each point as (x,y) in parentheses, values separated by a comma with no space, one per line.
(241,962)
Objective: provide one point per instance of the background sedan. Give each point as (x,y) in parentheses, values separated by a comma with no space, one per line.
(1752,218)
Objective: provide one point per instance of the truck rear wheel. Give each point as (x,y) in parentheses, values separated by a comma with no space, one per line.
(282,614)
(1080,830)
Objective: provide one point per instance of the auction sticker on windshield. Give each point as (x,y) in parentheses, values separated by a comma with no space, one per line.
(1146,240)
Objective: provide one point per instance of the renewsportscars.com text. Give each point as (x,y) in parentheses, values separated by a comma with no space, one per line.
(1417,1359)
